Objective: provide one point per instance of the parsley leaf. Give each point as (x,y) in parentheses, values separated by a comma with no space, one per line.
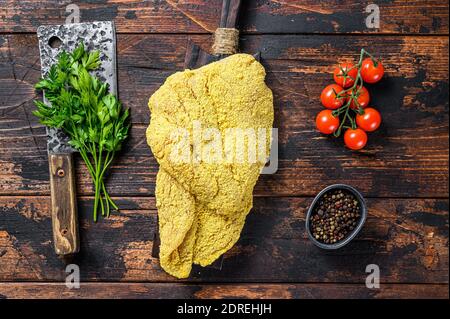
(83,108)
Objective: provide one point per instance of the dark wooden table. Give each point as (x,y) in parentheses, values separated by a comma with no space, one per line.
(403,172)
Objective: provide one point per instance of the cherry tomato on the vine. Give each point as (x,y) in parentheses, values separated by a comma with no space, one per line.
(329,98)
(355,139)
(371,72)
(327,123)
(363,98)
(345,74)
(370,120)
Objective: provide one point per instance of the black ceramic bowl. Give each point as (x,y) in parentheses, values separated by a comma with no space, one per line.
(351,234)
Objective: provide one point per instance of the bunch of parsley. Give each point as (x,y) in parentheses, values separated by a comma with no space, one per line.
(83,108)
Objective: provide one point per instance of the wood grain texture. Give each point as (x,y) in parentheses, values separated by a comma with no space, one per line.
(403,171)
(64,204)
(202,16)
(229,14)
(219,291)
(411,147)
(407,238)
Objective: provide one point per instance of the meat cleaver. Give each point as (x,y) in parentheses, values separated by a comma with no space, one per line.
(52,40)
(195,57)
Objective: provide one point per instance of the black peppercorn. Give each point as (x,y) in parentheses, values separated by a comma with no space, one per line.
(336,214)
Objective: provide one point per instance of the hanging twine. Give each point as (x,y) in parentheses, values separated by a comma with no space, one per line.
(226,41)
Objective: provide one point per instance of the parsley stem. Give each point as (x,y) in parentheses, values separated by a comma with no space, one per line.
(108,160)
(96,182)
(92,117)
(106,201)
(100,199)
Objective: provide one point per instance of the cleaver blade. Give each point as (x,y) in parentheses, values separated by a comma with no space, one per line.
(53,39)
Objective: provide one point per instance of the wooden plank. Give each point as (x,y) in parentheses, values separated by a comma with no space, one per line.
(406,238)
(411,148)
(219,291)
(201,16)
(419,170)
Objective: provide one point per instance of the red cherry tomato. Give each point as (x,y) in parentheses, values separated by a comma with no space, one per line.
(363,98)
(371,72)
(326,123)
(345,74)
(355,139)
(329,99)
(370,120)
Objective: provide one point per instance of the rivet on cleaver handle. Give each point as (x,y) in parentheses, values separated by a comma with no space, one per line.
(64,204)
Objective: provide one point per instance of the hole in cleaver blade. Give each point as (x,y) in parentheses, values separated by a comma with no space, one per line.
(98,35)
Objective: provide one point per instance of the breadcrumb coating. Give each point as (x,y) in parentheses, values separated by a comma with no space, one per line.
(202,203)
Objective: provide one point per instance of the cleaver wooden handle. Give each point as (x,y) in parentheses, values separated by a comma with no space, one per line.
(230,13)
(64,205)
